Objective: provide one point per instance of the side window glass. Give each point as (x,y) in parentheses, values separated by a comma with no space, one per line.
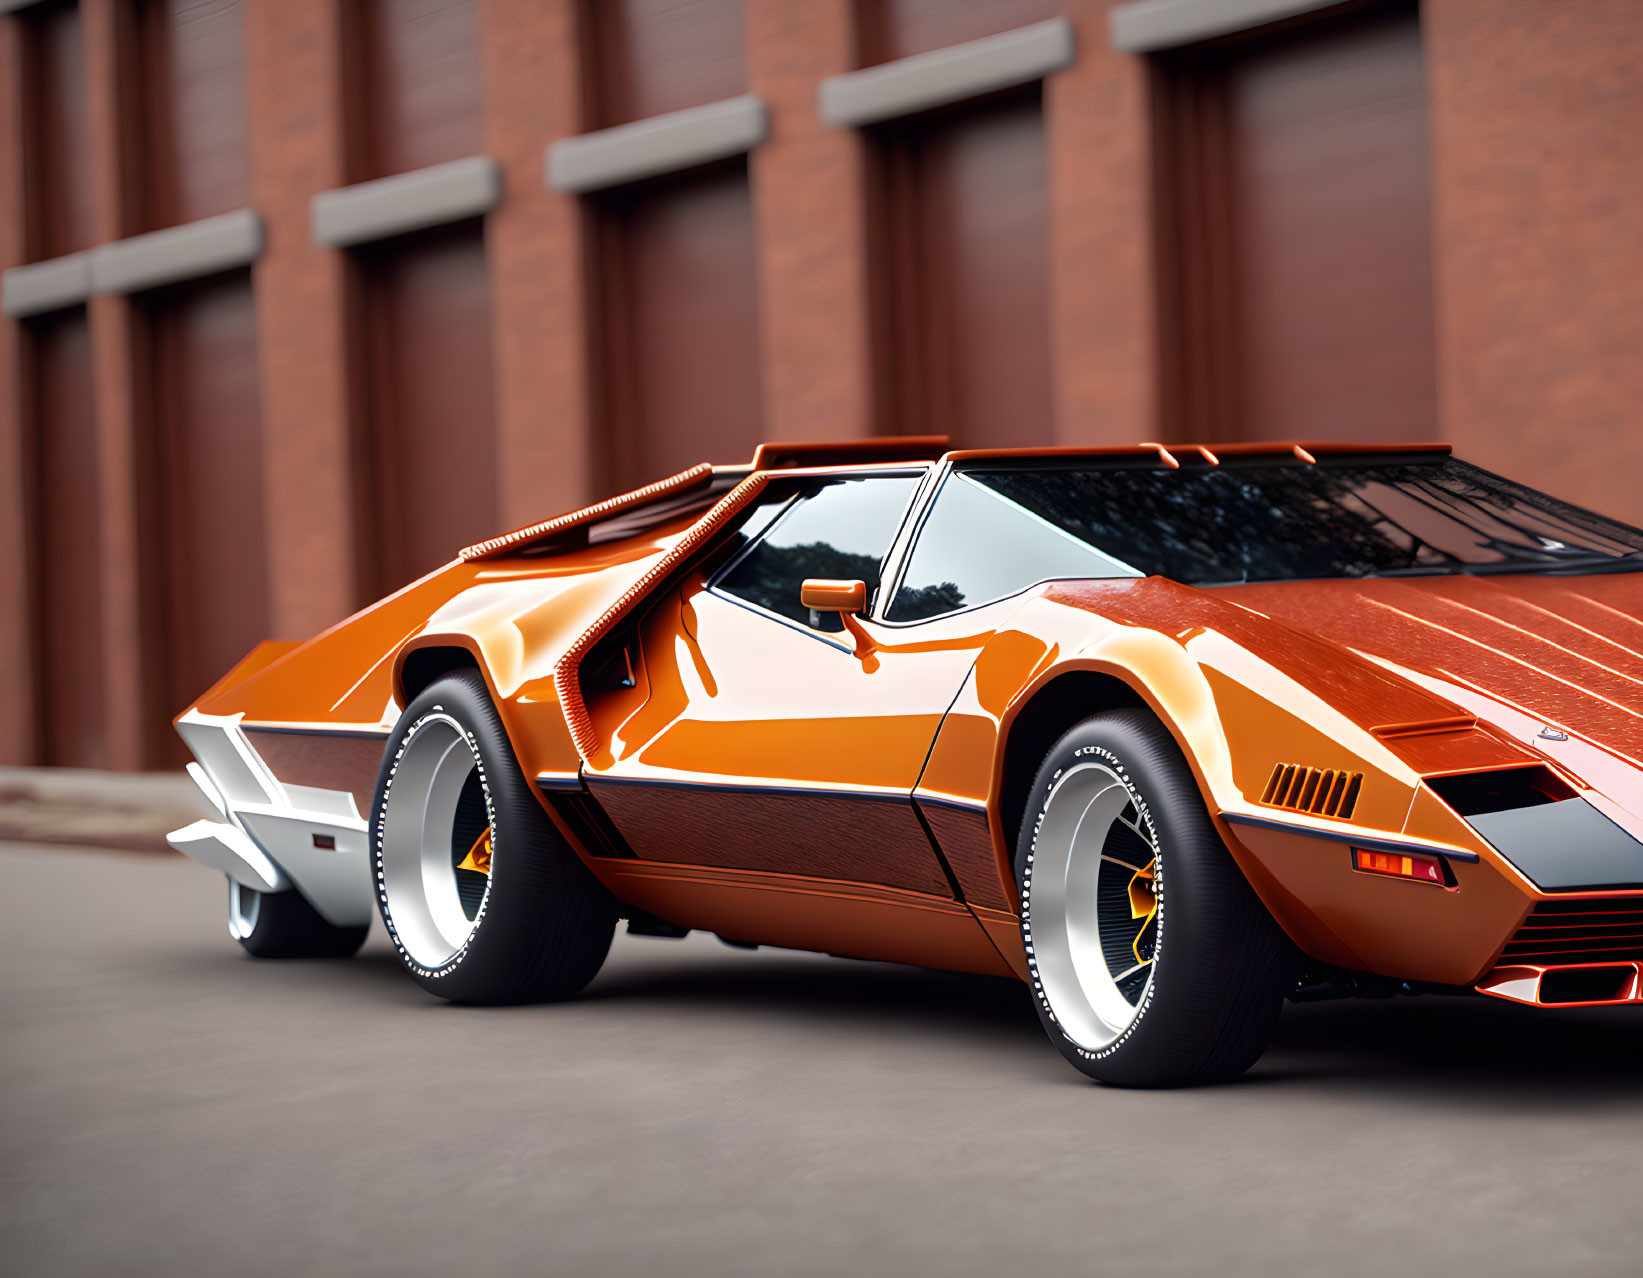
(756,524)
(843,529)
(977,546)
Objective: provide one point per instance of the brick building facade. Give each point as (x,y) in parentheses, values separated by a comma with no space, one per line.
(302,295)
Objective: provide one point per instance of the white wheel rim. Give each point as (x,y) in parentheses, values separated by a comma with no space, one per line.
(1090,843)
(244,907)
(418,858)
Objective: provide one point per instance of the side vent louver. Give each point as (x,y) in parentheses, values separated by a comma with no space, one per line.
(1320,791)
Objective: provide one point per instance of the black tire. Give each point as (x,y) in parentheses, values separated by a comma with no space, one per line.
(543,924)
(1218,962)
(282,925)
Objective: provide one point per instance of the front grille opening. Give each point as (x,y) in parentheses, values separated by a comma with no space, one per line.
(1320,791)
(1480,793)
(1586,985)
(1572,932)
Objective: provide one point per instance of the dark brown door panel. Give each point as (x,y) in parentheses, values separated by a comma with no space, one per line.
(864,838)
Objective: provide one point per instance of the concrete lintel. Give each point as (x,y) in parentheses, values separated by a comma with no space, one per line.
(1144,26)
(661,144)
(46,286)
(948,75)
(434,196)
(186,252)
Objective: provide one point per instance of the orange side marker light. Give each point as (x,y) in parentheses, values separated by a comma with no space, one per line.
(1422,869)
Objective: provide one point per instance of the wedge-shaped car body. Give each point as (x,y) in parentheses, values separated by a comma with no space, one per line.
(1166,733)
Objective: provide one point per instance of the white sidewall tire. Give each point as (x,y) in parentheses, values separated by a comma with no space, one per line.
(283,925)
(1221,963)
(543,925)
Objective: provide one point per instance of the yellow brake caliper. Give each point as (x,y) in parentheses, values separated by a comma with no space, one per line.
(479,856)
(1143,904)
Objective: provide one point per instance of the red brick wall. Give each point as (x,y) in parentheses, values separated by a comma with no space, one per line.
(65,601)
(191,87)
(1537,139)
(51,78)
(533,91)
(19,714)
(1101,240)
(414,86)
(808,201)
(314,568)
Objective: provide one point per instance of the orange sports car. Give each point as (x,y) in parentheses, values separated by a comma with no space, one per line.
(1168,734)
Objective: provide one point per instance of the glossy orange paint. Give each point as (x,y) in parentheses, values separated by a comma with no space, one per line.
(616,661)
(827,595)
(1241,694)
(695,541)
(734,694)
(883,450)
(1566,651)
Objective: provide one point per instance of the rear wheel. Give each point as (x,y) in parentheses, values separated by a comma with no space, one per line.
(1153,962)
(279,925)
(484,899)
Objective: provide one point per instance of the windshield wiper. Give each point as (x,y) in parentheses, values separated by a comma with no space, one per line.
(1629,562)
(1582,565)
(1419,570)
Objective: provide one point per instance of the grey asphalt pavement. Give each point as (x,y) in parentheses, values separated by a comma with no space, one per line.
(170,1107)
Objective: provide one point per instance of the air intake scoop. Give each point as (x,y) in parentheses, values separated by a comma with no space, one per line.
(1320,791)
(1557,839)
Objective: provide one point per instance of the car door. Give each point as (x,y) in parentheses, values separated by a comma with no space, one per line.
(776,746)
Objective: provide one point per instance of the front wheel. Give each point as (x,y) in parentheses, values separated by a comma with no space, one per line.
(484,899)
(1153,962)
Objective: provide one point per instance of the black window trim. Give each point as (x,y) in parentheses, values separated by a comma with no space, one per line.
(902,551)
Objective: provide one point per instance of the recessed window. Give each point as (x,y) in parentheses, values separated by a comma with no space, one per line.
(842,530)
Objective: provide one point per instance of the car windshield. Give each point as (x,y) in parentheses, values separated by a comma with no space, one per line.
(1244,521)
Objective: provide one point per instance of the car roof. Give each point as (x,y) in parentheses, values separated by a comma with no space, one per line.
(893,448)
(703,483)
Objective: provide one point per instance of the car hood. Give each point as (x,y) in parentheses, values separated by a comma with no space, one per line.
(1535,656)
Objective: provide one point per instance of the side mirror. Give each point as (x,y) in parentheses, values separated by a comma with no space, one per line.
(845,600)
(821,594)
